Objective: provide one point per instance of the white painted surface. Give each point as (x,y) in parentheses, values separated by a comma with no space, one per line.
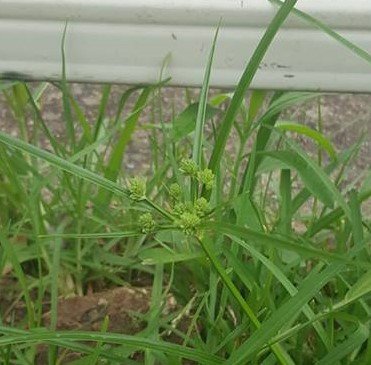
(127,41)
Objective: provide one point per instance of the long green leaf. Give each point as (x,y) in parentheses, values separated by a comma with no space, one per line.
(284,315)
(202,107)
(268,120)
(323,27)
(304,130)
(66,95)
(245,82)
(114,165)
(135,342)
(14,260)
(287,284)
(185,122)
(280,353)
(313,177)
(63,164)
(360,288)
(154,256)
(346,347)
(281,242)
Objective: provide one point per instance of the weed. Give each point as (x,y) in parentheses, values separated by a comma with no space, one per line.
(217,232)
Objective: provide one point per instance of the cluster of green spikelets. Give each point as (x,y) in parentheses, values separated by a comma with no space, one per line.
(187,214)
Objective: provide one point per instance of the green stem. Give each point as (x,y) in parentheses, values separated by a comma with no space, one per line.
(280,353)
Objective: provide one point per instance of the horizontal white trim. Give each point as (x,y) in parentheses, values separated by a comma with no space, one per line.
(126,41)
(337,13)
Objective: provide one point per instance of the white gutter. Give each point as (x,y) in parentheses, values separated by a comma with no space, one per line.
(126,41)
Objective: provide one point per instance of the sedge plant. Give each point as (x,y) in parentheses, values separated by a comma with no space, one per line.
(216,229)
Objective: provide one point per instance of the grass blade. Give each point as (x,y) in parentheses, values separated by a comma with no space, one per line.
(137,342)
(287,284)
(353,342)
(267,122)
(66,95)
(245,82)
(323,27)
(63,164)
(284,315)
(304,130)
(12,257)
(275,241)
(280,353)
(312,175)
(202,106)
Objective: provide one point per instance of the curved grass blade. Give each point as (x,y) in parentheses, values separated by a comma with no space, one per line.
(350,344)
(304,130)
(330,186)
(360,288)
(202,106)
(266,123)
(245,82)
(63,164)
(334,215)
(280,242)
(341,161)
(185,122)
(10,252)
(287,284)
(65,94)
(280,353)
(322,26)
(155,256)
(73,169)
(284,315)
(135,342)
(313,177)
(113,354)
(94,235)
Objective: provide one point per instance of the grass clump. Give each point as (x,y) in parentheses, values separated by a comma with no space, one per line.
(265,251)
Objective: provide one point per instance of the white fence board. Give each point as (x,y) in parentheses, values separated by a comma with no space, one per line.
(126,41)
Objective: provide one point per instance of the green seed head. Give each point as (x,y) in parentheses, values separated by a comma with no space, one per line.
(175,191)
(188,167)
(179,208)
(137,188)
(147,223)
(201,207)
(206,177)
(188,222)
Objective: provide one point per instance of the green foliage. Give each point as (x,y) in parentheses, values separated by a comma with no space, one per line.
(265,247)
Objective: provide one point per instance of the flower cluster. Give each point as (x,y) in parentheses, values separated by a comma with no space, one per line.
(190,215)
(206,177)
(137,188)
(186,215)
(147,223)
(201,207)
(188,222)
(175,191)
(188,167)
